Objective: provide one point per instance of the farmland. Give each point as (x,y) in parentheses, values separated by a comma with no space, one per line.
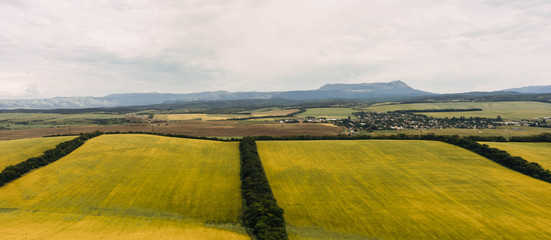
(129,186)
(196,116)
(507,110)
(40,120)
(191,128)
(16,151)
(539,152)
(327,113)
(505,131)
(384,189)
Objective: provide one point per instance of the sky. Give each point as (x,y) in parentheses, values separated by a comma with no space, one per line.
(52,48)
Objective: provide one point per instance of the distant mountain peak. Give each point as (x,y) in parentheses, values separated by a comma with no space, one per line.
(365,86)
(328,91)
(531,89)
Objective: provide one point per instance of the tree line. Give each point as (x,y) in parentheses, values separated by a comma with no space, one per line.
(261,213)
(13,172)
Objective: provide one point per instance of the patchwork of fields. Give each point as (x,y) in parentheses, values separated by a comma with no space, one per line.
(539,152)
(390,189)
(137,186)
(507,110)
(16,151)
(129,186)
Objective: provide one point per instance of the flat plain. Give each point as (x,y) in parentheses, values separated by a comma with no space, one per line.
(41,120)
(16,151)
(190,128)
(327,112)
(390,189)
(129,187)
(539,152)
(507,110)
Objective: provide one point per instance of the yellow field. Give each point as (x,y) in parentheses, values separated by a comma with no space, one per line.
(539,152)
(505,131)
(16,151)
(507,110)
(129,187)
(389,189)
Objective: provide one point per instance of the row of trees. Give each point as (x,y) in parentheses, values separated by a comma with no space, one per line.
(261,213)
(13,172)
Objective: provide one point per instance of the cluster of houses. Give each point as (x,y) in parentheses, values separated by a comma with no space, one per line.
(403,120)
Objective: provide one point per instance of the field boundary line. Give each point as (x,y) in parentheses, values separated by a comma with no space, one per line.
(261,214)
(13,172)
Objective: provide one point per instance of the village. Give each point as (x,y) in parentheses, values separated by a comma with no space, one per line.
(369,121)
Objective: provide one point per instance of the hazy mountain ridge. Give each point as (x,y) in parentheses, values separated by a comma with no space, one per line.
(531,89)
(397,89)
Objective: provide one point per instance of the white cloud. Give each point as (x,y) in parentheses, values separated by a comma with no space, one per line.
(100,47)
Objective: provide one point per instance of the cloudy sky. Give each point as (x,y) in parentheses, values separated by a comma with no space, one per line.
(54,48)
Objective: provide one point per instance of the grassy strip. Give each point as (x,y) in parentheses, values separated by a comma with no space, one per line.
(501,157)
(13,172)
(261,213)
(440,110)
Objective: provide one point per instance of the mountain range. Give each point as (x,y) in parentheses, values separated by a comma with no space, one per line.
(390,91)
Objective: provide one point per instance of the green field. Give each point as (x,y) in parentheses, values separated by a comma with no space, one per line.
(539,152)
(390,189)
(327,112)
(197,116)
(129,187)
(16,151)
(39,120)
(507,110)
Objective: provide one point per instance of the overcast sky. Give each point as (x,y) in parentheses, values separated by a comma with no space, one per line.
(54,48)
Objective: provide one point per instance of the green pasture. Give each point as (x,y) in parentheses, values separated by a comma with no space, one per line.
(16,151)
(129,187)
(391,189)
(39,120)
(507,110)
(539,152)
(327,112)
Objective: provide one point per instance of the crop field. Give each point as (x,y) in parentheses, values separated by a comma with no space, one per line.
(16,151)
(197,116)
(129,186)
(507,110)
(505,131)
(391,189)
(327,112)
(190,128)
(539,152)
(39,120)
(274,112)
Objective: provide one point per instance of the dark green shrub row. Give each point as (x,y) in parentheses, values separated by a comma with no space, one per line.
(544,137)
(261,213)
(501,157)
(13,172)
